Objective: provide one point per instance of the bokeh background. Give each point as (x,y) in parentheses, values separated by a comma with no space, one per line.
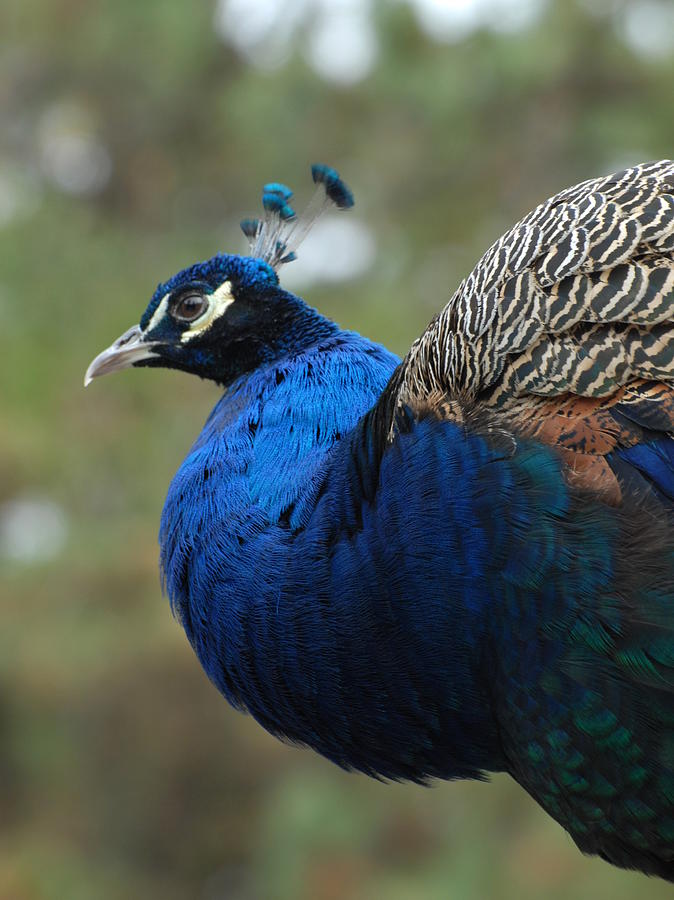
(133,136)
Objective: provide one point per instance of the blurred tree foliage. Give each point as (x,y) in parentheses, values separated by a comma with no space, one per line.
(123,773)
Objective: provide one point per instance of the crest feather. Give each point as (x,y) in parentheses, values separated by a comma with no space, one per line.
(276,237)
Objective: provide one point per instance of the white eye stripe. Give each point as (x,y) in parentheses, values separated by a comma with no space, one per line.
(159,313)
(218,302)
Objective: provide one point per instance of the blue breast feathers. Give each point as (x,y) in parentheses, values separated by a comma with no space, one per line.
(313,574)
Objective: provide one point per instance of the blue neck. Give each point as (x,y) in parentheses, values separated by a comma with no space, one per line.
(267,438)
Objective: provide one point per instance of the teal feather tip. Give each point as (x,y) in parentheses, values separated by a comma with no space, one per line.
(250,227)
(335,189)
(276,237)
(275,199)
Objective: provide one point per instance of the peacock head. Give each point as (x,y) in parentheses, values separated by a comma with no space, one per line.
(227,316)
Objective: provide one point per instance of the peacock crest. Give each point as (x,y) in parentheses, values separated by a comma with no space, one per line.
(276,236)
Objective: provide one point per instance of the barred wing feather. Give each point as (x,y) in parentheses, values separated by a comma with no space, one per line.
(564,330)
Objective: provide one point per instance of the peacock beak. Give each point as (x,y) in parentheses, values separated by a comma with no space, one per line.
(127,350)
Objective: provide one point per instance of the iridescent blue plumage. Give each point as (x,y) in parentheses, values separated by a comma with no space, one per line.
(463,562)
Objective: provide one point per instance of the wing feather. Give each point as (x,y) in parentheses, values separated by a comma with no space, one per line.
(564,330)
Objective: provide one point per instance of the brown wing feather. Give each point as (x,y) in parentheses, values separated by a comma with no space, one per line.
(587,429)
(564,330)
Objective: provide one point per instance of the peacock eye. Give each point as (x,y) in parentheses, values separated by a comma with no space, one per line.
(189,307)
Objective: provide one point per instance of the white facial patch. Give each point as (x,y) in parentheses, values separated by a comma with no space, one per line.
(218,302)
(159,313)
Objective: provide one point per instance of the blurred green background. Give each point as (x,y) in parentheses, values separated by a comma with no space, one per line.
(133,136)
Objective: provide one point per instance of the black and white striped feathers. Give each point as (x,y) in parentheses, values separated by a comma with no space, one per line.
(567,314)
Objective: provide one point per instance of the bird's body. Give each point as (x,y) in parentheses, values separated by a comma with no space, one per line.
(462,563)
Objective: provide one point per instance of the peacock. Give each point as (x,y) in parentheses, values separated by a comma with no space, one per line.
(461,562)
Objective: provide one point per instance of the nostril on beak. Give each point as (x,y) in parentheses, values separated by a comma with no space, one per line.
(128,350)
